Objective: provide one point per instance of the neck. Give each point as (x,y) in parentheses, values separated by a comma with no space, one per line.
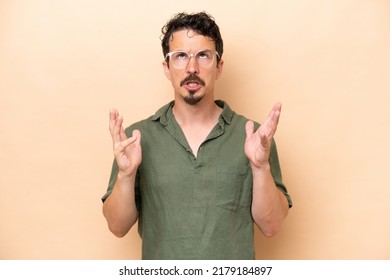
(204,112)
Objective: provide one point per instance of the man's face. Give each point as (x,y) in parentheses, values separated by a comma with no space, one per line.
(193,82)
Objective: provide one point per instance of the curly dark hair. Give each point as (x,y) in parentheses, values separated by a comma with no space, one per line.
(202,23)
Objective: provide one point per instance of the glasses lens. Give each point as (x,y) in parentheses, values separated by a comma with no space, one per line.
(205,58)
(180,59)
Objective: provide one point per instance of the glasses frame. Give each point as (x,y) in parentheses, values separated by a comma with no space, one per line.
(191,55)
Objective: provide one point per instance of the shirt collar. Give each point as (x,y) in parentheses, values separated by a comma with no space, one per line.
(227,113)
(165,113)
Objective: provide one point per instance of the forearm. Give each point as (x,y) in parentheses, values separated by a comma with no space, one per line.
(119,208)
(269,204)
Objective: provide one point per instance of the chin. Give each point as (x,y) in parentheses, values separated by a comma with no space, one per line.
(192,100)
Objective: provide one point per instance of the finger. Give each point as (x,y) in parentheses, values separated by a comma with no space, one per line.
(276,111)
(277,107)
(113,123)
(134,139)
(116,127)
(122,145)
(270,125)
(122,133)
(113,114)
(131,140)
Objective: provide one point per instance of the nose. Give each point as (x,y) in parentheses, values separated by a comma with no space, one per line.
(192,66)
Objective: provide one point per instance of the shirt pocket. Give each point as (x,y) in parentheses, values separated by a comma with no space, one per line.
(234,187)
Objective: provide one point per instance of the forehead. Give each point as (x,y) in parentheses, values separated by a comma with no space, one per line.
(189,40)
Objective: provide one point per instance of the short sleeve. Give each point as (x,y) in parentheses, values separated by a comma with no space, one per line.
(112,181)
(277,173)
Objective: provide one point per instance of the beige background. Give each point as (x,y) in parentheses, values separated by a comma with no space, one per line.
(63,64)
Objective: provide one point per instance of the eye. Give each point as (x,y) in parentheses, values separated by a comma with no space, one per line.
(204,55)
(180,56)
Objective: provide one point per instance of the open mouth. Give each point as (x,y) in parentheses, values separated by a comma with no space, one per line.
(192,83)
(192,86)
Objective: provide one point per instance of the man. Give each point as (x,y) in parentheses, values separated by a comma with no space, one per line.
(195,175)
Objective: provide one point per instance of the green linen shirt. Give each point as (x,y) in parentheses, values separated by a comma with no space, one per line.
(195,207)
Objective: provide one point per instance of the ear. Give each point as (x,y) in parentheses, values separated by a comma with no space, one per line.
(167,72)
(219,69)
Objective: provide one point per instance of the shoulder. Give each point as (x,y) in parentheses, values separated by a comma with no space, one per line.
(233,118)
(140,125)
(157,119)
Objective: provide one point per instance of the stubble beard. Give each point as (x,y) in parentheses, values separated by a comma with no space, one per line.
(191,99)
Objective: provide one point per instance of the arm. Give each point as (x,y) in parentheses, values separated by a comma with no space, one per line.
(269,204)
(119,208)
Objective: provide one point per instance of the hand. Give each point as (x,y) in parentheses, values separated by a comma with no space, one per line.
(258,144)
(127,151)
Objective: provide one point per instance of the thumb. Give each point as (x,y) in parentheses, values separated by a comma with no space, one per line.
(137,134)
(249,128)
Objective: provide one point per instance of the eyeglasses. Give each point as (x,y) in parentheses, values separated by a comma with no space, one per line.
(180,59)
